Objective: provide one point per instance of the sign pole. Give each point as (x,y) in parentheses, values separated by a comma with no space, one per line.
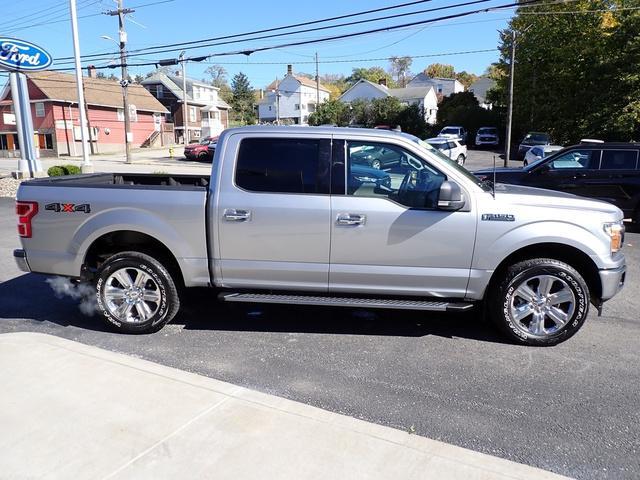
(27,126)
(87,166)
(23,162)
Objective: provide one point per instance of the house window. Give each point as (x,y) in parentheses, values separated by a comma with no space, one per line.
(311,107)
(215,115)
(168,117)
(439,88)
(133,113)
(45,141)
(39,109)
(192,114)
(269,107)
(159,91)
(121,114)
(297,107)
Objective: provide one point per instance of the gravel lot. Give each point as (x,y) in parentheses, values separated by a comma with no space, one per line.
(572,409)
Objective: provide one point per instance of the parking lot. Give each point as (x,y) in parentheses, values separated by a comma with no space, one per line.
(571,409)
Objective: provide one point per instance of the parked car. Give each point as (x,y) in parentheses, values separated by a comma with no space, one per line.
(199,151)
(377,157)
(212,148)
(487,136)
(450,147)
(263,228)
(361,175)
(531,139)
(454,132)
(540,151)
(603,171)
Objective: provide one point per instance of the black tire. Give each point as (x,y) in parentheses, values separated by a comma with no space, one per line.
(202,157)
(160,286)
(505,300)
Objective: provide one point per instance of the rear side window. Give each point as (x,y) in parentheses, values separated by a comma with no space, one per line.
(619,160)
(284,165)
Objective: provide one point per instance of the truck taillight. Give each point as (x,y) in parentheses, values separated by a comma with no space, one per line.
(26,211)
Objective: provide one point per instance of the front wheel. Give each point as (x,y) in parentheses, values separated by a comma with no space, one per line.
(540,302)
(136,293)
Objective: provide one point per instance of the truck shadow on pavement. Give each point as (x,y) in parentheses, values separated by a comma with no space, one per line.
(30,299)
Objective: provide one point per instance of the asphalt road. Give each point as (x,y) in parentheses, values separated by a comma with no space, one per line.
(572,409)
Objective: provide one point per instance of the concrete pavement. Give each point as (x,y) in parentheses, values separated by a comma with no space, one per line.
(70,410)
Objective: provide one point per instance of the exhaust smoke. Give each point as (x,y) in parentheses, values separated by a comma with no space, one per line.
(63,287)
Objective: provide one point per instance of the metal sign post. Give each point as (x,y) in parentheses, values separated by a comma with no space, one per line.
(19,56)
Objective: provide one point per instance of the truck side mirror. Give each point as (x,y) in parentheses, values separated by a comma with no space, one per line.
(450,197)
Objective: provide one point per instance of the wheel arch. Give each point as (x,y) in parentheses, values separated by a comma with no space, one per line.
(119,241)
(570,255)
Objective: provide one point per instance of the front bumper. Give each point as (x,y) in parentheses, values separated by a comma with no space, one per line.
(20,256)
(612,281)
(487,142)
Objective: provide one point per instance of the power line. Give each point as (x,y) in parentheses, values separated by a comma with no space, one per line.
(51,17)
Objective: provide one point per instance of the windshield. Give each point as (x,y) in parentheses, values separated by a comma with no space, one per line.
(488,131)
(449,131)
(547,157)
(205,141)
(434,152)
(536,137)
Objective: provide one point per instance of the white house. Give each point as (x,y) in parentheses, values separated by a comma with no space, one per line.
(424,97)
(291,100)
(480,88)
(442,86)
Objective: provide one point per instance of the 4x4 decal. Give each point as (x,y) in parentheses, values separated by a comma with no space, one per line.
(68,207)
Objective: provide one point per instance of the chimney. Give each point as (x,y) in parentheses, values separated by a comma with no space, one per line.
(289,70)
(91,71)
(382,81)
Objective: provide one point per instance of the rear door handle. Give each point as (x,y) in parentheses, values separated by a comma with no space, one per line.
(350,219)
(236,215)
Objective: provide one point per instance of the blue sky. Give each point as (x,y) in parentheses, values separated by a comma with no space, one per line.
(185,20)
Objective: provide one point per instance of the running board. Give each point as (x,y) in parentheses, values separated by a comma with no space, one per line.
(433,306)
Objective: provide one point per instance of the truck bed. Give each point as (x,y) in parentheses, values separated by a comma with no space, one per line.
(122,180)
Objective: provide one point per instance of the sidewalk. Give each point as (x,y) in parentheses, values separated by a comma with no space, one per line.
(73,411)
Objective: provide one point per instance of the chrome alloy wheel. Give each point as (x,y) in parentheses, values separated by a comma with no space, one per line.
(542,305)
(132,295)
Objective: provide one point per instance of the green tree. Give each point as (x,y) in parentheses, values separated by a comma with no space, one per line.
(331,112)
(400,68)
(242,99)
(462,108)
(576,75)
(373,74)
(440,70)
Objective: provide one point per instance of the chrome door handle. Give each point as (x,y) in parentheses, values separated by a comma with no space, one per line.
(350,219)
(233,215)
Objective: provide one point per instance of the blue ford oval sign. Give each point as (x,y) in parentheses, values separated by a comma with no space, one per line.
(19,55)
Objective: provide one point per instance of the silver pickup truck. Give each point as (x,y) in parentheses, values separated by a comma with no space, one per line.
(302,216)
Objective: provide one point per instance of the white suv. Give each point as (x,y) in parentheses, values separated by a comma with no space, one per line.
(451,147)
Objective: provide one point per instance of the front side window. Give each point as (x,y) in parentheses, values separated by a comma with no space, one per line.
(283,165)
(619,160)
(583,159)
(387,171)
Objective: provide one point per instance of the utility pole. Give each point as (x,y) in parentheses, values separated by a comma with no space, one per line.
(510,107)
(124,82)
(185,109)
(87,167)
(317,83)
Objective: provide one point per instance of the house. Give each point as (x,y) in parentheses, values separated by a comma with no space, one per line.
(480,88)
(442,86)
(424,97)
(207,113)
(55,114)
(291,100)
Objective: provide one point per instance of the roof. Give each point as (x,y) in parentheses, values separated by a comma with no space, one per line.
(302,80)
(174,84)
(480,88)
(423,78)
(97,91)
(409,92)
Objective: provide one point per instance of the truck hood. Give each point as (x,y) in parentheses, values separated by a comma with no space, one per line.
(539,197)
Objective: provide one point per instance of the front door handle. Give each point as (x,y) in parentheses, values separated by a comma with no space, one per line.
(350,219)
(236,215)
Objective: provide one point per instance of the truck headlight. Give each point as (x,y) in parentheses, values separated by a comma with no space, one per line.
(615,230)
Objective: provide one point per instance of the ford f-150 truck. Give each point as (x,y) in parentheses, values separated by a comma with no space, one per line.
(287,216)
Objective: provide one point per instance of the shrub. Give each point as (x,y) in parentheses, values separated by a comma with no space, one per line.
(72,170)
(56,171)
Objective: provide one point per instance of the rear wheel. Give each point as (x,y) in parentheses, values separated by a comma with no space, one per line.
(136,293)
(540,302)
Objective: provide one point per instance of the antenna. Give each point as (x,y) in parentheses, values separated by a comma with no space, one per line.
(493,184)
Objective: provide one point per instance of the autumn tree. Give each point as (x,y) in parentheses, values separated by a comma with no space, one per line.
(440,70)
(399,67)
(373,74)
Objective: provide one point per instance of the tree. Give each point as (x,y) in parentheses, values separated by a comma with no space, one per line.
(462,108)
(440,70)
(166,69)
(331,112)
(242,99)
(575,75)
(466,78)
(373,74)
(218,75)
(400,68)
(138,79)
